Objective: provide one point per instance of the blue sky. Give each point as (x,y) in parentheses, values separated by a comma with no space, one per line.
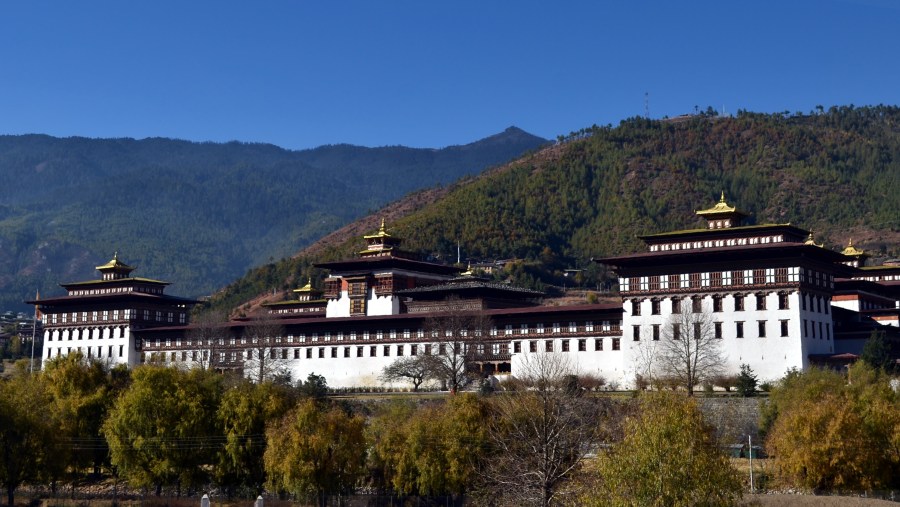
(427,73)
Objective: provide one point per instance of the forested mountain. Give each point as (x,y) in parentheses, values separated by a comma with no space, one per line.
(197,214)
(836,172)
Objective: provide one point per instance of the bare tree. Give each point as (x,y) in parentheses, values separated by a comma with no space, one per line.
(458,340)
(207,337)
(540,434)
(415,369)
(264,360)
(690,353)
(645,355)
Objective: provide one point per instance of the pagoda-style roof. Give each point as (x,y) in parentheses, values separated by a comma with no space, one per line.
(791,233)
(852,251)
(115,269)
(748,254)
(722,215)
(364,265)
(380,243)
(470,288)
(110,298)
(116,282)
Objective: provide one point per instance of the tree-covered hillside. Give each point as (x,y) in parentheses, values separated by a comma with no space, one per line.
(197,214)
(836,172)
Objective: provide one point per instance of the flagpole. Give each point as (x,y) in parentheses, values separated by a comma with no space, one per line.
(34,333)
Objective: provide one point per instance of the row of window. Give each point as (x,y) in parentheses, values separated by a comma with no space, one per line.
(115,290)
(408,334)
(700,330)
(114,315)
(88,351)
(496,349)
(814,303)
(717,243)
(581,345)
(766,276)
(89,333)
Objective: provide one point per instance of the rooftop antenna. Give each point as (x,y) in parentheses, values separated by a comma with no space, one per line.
(647,105)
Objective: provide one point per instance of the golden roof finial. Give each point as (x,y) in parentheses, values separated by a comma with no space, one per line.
(810,240)
(381,230)
(722,200)
(852,250)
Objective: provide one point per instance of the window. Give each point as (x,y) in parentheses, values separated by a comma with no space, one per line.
(636,333)
(565,345)
(346,351)
(717,329)
(615,344)
(738,302)
(517,347)
(739,329)
(357,306)
(636,308)
(427,349)
(321,353)
(548,345)
(696,304)
(697,330)
(654,282)
(532,346)
(413,350)
(556,328)
(655,332)
(655,307)
(387,350)
(784,328)
(309,353)
(296,353)
(781,275)
(694,280)
(598,343)
(399,350)
(759,276)
(676,331)
(373,351)
(762,328)
(582,345)
(676,305)
(717,303)
(357,288)
(760,301)
(737,277)
(716,279)
(782,301)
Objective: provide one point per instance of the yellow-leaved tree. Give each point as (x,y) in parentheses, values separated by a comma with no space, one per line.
(667,458)
(832,432)
(315,451)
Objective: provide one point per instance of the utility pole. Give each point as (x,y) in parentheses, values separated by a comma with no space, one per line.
(750,454)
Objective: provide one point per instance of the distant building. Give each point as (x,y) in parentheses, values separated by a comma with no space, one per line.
(777,300)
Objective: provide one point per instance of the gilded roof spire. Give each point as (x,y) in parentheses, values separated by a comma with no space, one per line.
(852,250)
(810,240)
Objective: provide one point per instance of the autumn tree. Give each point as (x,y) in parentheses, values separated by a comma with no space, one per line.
(434,450)
(828,433)
(245,410)
(162,430)
(315,451)
(540,434)
(29,445)
(667,458)
(689,352)
(458,339)
(264,360)
(81,392)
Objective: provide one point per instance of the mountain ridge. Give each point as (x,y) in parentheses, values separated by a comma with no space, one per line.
(196,214)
